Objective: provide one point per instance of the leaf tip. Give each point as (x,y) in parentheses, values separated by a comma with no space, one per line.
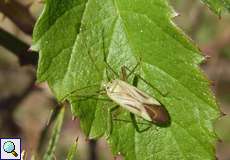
(206,58)
(34,47)
(175,14)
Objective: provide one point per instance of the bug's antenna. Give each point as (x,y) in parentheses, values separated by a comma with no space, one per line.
(73,91)
(146,82)
(123,75)
(133,70)
(105,56)
(91,57)
(84,98)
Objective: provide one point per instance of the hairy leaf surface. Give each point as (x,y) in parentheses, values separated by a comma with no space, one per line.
(72,36)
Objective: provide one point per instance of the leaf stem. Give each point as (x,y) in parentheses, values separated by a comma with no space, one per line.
(19,14)
(18,47)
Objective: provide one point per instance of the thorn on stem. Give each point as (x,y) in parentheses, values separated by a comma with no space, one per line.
(206,59)
(41,1)
(74,118)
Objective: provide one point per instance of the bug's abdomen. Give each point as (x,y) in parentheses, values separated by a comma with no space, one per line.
(157,113)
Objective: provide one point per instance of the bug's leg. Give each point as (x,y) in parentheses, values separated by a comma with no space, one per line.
(137,75)
(110,120)
(134,122)
(135,82)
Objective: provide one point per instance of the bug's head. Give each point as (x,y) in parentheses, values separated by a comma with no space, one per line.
(109,86)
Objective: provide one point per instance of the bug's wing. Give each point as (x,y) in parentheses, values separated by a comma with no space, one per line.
(127,102)
(157,113)
(138,102)
(137,93)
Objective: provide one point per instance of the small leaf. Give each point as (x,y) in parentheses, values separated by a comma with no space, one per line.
(218,6)
(49,154)
(72,151)
(222,128)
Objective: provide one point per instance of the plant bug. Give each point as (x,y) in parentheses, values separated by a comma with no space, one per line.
(129,97)
(135,101)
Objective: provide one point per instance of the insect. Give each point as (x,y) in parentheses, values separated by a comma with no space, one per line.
(128,96)
(136,101)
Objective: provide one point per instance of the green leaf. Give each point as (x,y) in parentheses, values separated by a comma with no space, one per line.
(222,128)
(49,154)
(72,36)
(72,151)
(218,6)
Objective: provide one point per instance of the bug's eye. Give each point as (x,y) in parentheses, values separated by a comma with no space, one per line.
(107,87)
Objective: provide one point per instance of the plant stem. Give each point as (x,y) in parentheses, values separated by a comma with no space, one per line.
(18,47)
(19,14)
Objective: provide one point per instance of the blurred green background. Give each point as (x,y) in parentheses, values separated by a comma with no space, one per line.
(25,106)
